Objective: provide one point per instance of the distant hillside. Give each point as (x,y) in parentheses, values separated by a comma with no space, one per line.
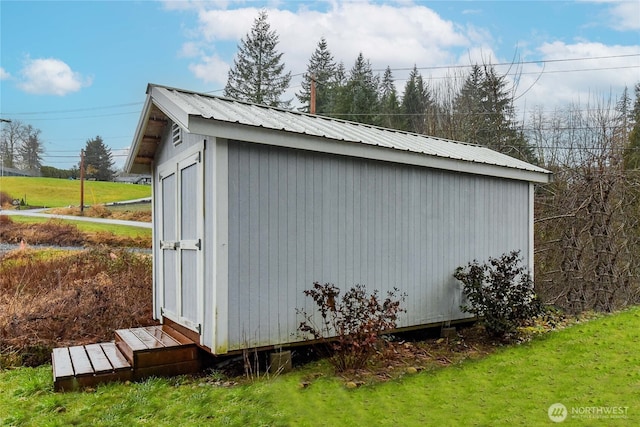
(54,192)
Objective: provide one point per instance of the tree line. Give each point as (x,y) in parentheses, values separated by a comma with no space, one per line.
(476,108)
(587,227)
(21,147)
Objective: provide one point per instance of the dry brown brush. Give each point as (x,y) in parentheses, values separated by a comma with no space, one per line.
(59,233)
(50,300)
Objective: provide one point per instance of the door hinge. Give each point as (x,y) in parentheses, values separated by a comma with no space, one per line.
(199,244)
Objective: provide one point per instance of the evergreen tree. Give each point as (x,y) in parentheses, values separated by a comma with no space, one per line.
(357,99)
(499,130)
(467,108)
(258,74)
(322,69)
(340,78)
(415,102)
(98,161)
(485,112)
(390,113)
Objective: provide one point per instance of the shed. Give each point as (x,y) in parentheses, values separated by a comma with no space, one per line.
(253,204)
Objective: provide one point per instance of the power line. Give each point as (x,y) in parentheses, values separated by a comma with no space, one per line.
(75,110)
(84,117)
(540,61)
(436,67)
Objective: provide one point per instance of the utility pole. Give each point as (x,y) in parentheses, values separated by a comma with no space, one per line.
(82,182)
(2,163)
(312,100)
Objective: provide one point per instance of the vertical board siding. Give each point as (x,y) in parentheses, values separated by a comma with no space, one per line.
(297,217)
(189,231)
(170,267)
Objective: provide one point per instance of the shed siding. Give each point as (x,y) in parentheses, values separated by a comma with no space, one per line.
(296,217)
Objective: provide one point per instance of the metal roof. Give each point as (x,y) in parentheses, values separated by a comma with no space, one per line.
(182,106)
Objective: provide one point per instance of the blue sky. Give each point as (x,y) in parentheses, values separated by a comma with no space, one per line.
(77,69)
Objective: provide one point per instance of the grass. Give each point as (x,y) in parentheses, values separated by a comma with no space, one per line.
(593,364)
(54,192)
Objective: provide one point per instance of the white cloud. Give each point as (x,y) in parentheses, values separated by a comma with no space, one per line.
(625,15)
(189,50)
(4,74)
(50,76)
(210,69)
(562,82)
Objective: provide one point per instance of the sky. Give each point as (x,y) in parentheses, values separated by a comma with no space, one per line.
(79,69)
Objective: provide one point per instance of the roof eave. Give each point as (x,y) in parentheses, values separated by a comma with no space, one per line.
(130,165)
(156,101)
(241,132)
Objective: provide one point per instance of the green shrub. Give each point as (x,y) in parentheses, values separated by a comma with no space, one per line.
(500,292)
(351,326)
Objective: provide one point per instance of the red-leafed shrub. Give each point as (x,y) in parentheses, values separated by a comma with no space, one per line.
(350,326)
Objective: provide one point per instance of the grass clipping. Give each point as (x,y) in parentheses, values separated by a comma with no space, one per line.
(53,299)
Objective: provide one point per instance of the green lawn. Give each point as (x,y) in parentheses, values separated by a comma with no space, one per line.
(590,365)
(53,192)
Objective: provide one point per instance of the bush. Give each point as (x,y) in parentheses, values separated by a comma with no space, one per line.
(501,293)
(57,299)
(351,326)
(5,199)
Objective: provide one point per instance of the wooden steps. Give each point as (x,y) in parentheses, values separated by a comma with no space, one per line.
(136,354)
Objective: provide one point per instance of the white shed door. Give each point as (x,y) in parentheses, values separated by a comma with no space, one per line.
(181,229)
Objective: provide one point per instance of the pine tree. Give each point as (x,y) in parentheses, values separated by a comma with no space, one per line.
(415,102)
(341,76)
(322,69)
(98,161)
(390,113)
(467,108)
(499,130)
(357,100)
(258,74)
(485,114)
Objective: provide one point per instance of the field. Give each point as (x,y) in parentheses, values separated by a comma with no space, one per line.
(53,192)
(592,368)
(59,194)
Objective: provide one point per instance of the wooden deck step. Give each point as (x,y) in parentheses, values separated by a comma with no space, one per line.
(157,350)
(137,353)
(86,366)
